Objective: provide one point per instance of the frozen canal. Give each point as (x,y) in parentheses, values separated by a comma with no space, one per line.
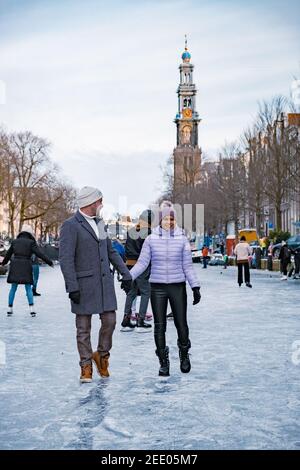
(243,391)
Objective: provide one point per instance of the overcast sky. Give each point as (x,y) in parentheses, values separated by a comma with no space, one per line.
(98,79)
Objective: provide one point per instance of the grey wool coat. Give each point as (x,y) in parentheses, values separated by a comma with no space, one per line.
(85,264)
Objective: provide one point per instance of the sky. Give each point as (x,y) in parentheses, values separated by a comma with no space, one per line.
(98,80)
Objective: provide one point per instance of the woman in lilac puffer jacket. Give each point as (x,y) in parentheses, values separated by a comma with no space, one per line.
(168,251)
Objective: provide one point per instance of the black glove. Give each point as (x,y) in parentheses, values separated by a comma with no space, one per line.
(126,286)
(197,295)
(75,296)
(51,264)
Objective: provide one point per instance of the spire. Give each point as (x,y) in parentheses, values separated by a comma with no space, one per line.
(186,56)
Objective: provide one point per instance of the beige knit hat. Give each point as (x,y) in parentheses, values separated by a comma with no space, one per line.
(87,196)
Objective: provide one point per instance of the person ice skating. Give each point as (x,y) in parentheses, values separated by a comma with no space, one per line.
(20,270)
(85,254)
(169,252)
(242,252)
(297,263)
(133,247)
(226,261)
(257,253)
(205,256)
(296,253)
(270,256)
(117,245)
(285,259)
(264,246)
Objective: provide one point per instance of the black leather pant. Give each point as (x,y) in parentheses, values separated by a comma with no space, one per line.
(176,294)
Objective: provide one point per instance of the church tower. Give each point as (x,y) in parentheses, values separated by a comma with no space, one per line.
(187,154)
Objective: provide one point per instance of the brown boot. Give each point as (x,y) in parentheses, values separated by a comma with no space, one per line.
(102,363)
(86,373)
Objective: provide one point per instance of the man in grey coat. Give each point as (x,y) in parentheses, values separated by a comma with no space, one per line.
(85,255)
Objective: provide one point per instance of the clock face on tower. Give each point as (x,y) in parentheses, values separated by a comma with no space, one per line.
(187,113)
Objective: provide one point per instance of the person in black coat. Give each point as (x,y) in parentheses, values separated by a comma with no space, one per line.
(296,253)
(285,259)
(133,248)
(20,271)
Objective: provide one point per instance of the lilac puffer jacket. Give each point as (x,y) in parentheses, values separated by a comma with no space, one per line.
(170,257)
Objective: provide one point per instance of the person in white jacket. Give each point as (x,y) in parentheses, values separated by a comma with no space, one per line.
(242,252)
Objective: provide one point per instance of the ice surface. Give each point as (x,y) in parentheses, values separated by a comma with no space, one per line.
(243,391)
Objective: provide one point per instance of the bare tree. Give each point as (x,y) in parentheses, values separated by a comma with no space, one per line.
(30,161)
(208,194)
(31,183)
(63,197)
(256,174)
(8,181)
(231,182)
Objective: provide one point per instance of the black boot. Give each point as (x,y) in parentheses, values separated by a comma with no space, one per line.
(35,293)
(142,326)
(185,364)
(163,356)
(126,324)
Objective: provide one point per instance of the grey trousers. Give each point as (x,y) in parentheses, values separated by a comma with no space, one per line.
(83,325)
(140,284)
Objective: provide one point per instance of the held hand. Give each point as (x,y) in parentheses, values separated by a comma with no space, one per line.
(126,286)
(197,295)
(75,296)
